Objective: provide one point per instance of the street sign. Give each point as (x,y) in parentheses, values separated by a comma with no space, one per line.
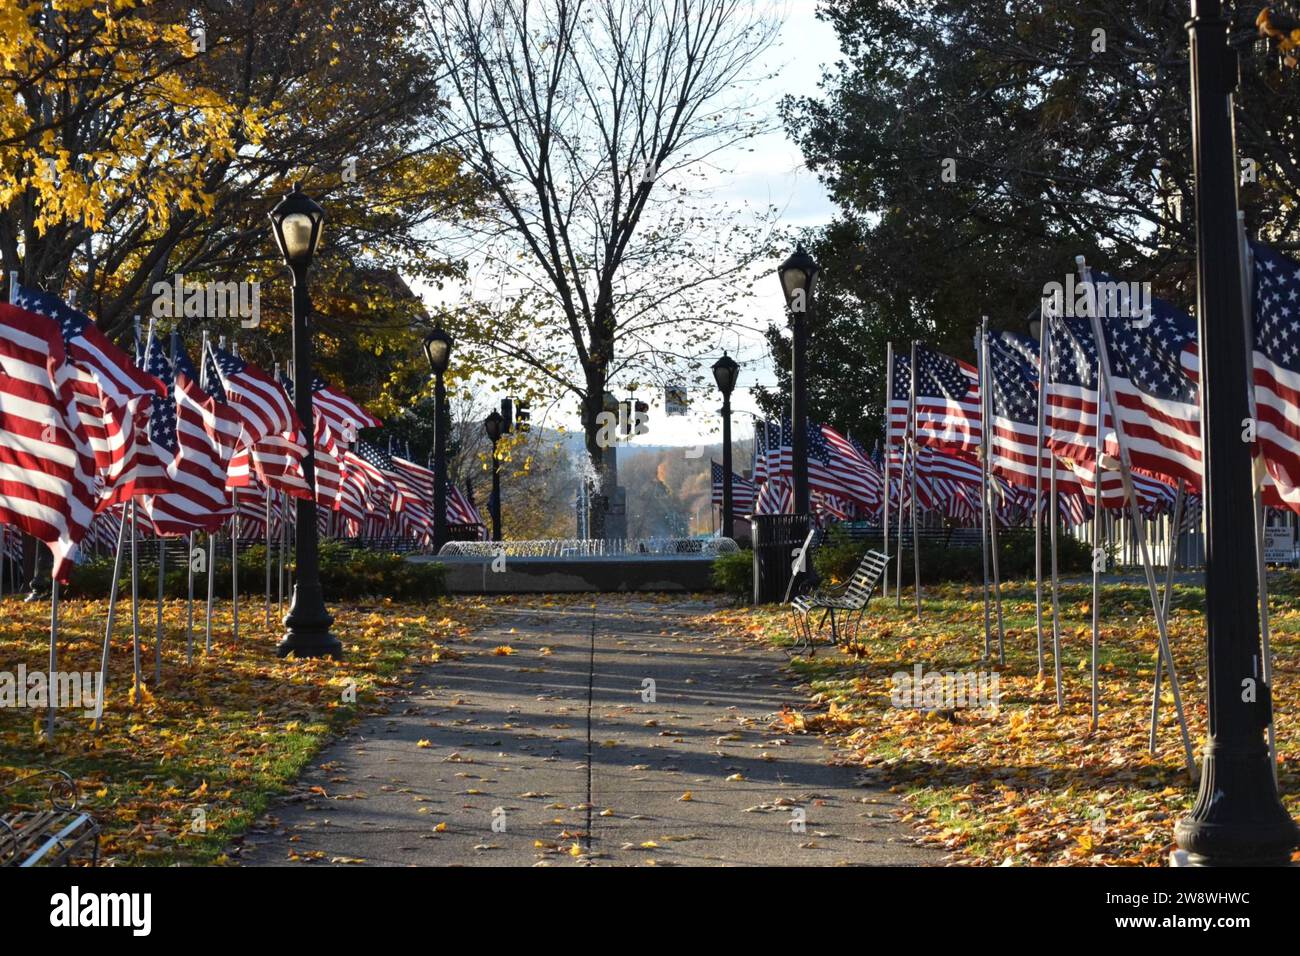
(1279,545)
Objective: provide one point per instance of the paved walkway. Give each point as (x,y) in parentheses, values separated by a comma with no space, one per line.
(488,762)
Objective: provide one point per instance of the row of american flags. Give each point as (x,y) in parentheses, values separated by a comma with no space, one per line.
(87,427)
(940,422)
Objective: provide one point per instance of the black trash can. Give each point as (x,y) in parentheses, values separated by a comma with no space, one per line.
(776,539)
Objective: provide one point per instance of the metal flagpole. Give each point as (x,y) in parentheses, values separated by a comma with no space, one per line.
(984,511)
(916,541)
(1056,605)
(1038,496)
(162,556)
(135,604)
(1098,553)
(158,624)
(108,629)
(283,536)
(234,567)
(1258,474)
(1175,522)
(135,573)
(906,460)
(52,683)
(212,538)
(992,512)
(1126,473)
(189,599)
(889,397)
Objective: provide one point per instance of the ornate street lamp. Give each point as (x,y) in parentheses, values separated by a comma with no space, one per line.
(725,373)
(437,349)
(1238,818)
(296,221)
(494,425)
(798,276)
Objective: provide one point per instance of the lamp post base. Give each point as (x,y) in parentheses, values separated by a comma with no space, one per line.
(308,633)
(1238,819)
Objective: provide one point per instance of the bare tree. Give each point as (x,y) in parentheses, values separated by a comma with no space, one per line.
(591,122)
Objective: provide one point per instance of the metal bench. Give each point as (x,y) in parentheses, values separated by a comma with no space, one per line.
(848,601)
(56,836)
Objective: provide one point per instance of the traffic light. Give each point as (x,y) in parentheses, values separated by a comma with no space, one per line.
(507,416)
(521,416)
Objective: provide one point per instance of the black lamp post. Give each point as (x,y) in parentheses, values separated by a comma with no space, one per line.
(1238,818)
(494,424)
(725,373)
(798,276)
(437,349)
(296,221)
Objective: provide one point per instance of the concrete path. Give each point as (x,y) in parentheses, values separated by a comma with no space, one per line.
(652,743)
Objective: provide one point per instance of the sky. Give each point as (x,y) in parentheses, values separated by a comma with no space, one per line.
(771,174)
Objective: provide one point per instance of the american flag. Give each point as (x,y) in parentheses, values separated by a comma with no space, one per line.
(775,497)
(344,415)
(900,401)
(856,472)
(260,401)
(460,510)
(193,435)
(1072,389)
(376,470)
(1014,452)
(948,413)
(1276,359)
(1158,407)
(766,436)
(112,393)
(743,491)
(47,470)
(825,473)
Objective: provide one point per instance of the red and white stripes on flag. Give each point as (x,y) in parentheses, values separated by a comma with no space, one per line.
(849,464)
(207,431)
(342,413)
(46,466)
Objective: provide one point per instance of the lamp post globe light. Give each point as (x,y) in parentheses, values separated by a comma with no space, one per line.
(494,425)
(725,373)
(798,275)
(1238,818)
(437,349)
(296,222)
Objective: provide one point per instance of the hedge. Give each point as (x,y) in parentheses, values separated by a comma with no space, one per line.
(346,573)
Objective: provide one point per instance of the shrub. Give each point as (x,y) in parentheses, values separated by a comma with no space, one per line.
(346,573)
(733,574)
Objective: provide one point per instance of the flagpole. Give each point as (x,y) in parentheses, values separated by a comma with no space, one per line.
(212,539)
(1126,474)
(234,565)
(992,512)
(282,536)
(905,460)
(1038,496)
(53,682)
(1257,475)
(135,603)
(112,608)
(189,599)
(1098,554)
(916,541)
(1056,606)
(889,397)
(984,503)
(1175,523)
